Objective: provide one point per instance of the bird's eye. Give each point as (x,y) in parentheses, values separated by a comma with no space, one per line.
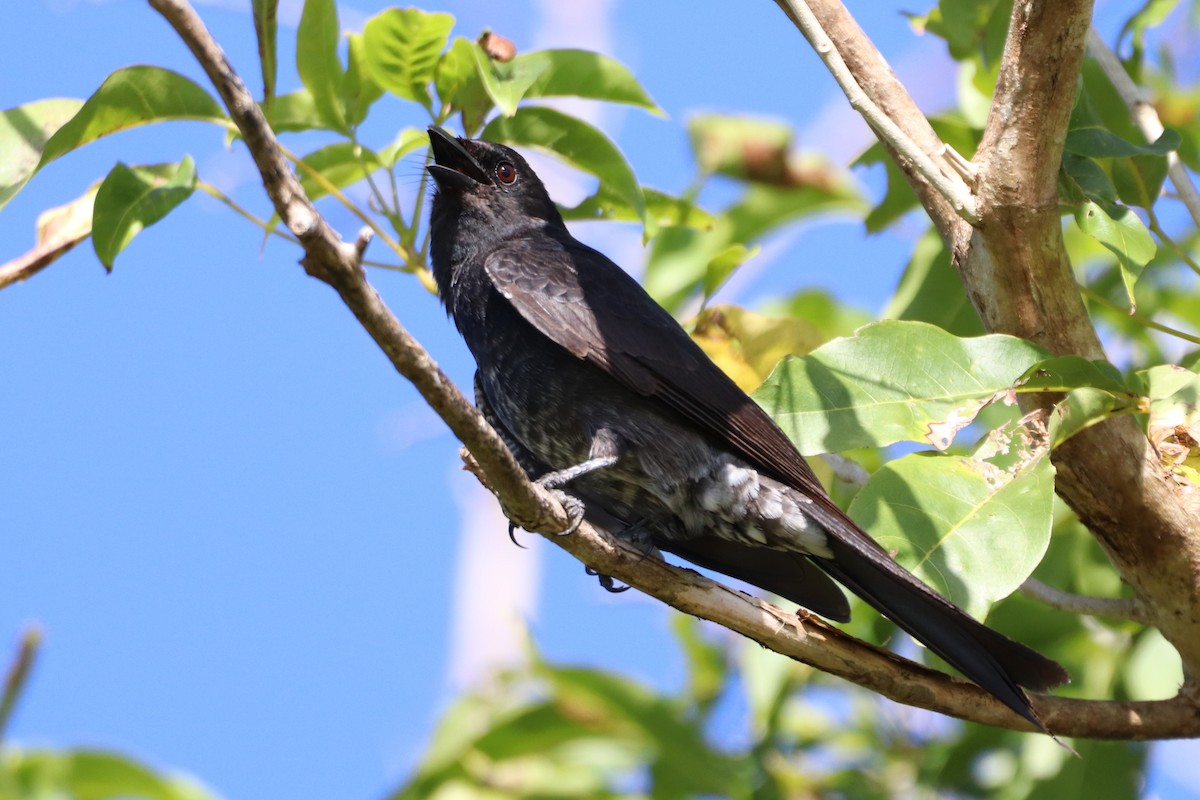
(506,172)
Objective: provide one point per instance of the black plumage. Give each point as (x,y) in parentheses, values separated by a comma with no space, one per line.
(587,378)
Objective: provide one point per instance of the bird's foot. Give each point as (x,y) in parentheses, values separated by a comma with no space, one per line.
(571,504)
(574,508)
(607,582)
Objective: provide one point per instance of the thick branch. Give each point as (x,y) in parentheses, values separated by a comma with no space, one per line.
(1017,273)
(803,638)
(1015,269)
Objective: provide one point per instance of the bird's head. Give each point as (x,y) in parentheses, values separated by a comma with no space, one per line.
(485,191)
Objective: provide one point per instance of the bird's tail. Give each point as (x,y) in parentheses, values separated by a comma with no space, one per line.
(996,663)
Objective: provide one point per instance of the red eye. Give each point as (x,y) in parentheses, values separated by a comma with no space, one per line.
(506,172)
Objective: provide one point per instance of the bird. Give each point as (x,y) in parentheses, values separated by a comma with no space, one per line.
(603,398)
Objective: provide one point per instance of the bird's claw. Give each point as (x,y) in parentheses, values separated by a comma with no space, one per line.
(512,535)
(606,582)
(572,505)
(574,508)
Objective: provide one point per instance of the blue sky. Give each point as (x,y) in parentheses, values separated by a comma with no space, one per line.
(251,548)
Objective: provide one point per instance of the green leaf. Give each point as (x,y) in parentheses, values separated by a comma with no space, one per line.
(1155,671)
(892,381)
(931,291)
(968,529)
(665,209)
(317,60)
(686,765)
(95,775)
(1139,179)
(407,141)
(506,82)
(403,46)
(1086,179)
(1082,408)
(131,97)
(724,143)
(724,264)
(1152,14)
(359,89)
(295,111)
(582,73)
(1063,373)
(460,86)
(266,29)
(577,143)
(132,198)
(24,131)
(1096,142)
(341,163)
(1124,234)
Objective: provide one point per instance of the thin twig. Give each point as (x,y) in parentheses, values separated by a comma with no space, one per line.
(1180,252)
(1146,118)
(18,673)
(333,191)
(951,186)
(1119,608)
(232,205)
(1142,320)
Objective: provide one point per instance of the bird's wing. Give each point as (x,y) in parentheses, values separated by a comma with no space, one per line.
(557,287)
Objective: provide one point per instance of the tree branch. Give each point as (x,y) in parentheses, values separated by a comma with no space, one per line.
(338,264)
(1143,113)
(1015,269)
(802,637)
(1120,608)
(948,183)
(1018,275)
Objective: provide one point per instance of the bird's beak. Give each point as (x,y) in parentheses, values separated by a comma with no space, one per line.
(453,167)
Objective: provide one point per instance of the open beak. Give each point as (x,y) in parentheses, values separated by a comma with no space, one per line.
(453,167)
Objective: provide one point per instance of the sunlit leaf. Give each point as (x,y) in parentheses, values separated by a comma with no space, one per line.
(1124,234)
(746,345)
(506,82)
(460,86)
(317,60)
(892,381)
(132,198)
(724,264)
(407,141)
(582,73)
(131,97)
(359,90)
(665,209)
(266,27)
(96,775)
(970,530)
(575,142)
(403,46)
(295,111)
(1063,373)
(24,131)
